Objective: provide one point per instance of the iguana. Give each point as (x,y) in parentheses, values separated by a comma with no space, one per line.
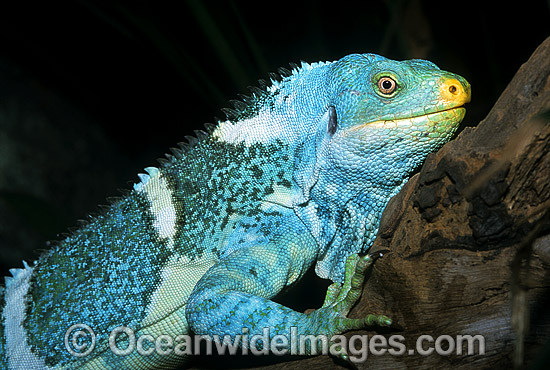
(298,175)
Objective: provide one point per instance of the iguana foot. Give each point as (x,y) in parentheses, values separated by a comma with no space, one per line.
(341,298)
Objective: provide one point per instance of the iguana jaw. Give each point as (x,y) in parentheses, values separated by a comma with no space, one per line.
(445,119)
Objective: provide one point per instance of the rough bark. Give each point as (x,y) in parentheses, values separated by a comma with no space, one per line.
(469,240)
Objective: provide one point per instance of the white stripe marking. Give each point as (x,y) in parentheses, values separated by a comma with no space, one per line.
(162,208)
(18,351)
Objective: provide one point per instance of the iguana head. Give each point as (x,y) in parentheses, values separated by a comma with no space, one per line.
(390,115)
(384,117)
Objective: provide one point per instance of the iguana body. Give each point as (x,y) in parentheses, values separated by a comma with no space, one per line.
(297,177)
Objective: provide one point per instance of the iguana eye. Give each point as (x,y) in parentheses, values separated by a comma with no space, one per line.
(387,85)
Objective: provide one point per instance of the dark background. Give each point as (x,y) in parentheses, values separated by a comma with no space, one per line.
(93,92)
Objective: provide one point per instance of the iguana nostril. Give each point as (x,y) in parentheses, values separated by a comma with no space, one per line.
(454,90)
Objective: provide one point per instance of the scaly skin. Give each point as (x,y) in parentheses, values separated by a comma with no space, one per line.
(298,177)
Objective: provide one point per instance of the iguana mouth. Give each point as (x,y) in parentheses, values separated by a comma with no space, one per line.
(452,116)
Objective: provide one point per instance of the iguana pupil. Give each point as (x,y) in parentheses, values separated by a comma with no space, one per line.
(387,85)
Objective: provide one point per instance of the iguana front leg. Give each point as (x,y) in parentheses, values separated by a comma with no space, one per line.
(235,294)
(342,297)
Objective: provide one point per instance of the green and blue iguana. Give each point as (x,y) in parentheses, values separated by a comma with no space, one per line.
(297,176)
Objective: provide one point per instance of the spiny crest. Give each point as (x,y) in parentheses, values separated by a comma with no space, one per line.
(174,155)
(145,178)
(16,273)
(248,105)
(178,153)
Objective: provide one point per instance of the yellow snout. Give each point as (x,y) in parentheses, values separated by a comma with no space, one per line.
(455,92)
